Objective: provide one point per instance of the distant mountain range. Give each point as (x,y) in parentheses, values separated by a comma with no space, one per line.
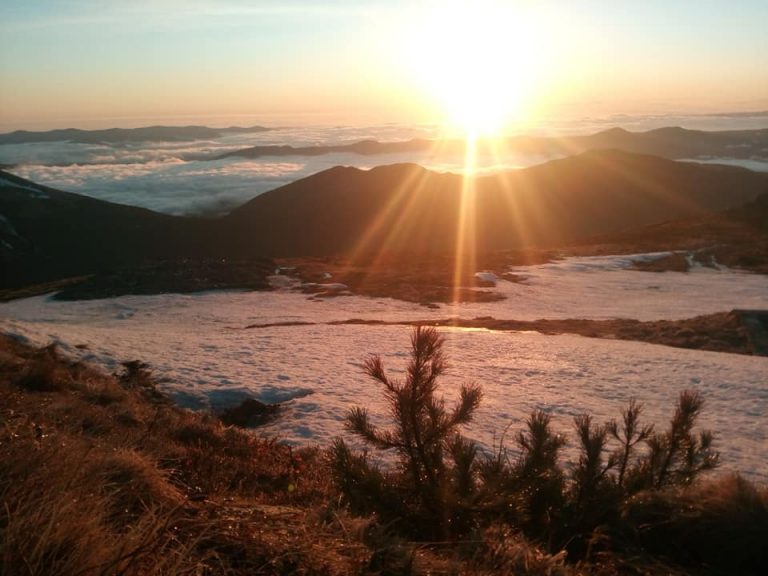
(672,143)
(47,234)
(363,147)
(126,135)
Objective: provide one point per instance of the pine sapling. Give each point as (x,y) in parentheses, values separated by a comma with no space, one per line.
(590,472)
(676,456)
(629,436)
(537,478)
(437,465)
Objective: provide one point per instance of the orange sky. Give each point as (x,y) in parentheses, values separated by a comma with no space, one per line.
(64,63)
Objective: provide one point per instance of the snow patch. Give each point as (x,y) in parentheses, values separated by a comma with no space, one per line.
(196,343)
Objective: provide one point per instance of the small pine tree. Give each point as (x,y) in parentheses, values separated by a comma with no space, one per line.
(537,477)
(676,456)
(629,435)
(591,471)
(442,488)
(435,480)
(526,491)
(593,496)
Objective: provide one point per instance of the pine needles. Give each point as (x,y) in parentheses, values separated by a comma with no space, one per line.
(444,487)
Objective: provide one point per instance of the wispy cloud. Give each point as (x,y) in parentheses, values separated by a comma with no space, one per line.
(19,14)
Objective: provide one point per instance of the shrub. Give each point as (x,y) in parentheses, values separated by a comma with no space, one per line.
(677,456)
(433,486)
(135,374)
(527,492)
(628,436)
(722,524)
(443,488)
(43,371)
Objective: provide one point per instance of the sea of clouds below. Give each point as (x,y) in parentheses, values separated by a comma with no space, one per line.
(176,178)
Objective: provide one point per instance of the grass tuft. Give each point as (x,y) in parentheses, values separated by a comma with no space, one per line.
(100,475)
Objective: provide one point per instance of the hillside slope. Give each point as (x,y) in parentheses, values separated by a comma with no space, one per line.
(407,208)
(46,234)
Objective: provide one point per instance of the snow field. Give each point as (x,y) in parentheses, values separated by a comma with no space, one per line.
(200,346)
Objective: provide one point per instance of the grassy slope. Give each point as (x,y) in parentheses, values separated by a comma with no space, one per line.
(99,474)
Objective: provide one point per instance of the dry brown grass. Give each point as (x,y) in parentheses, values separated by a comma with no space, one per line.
(42,371)
(61,515)
(99,475)
(721,524)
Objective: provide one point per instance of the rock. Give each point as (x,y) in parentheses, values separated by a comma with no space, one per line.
(756,324)
(250,414)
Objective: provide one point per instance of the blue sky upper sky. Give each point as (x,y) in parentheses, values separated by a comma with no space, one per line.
(110,61)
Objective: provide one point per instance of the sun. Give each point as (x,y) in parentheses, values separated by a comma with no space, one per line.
(477,61)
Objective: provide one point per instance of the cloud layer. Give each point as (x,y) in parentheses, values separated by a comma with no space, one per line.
(177,178)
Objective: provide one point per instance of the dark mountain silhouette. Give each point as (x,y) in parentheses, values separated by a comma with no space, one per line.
(47,234)
(737,237)
(753,213)
(364,147)
(405,208)
(125,135)
(742,114)
(672,143)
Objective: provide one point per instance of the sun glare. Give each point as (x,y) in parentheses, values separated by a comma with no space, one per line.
(478,61)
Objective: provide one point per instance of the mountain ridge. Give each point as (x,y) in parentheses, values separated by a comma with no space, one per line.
(671,142)
(401,208)
(595,191)
(125,135)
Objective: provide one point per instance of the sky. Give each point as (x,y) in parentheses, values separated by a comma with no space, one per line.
(99,63)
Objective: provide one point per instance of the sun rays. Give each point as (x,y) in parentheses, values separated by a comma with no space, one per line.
(461,224)
(481,62)
(465,255)
(401,234)
(482,67)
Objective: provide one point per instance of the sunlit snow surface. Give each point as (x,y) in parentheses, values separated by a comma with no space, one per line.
(201,345)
